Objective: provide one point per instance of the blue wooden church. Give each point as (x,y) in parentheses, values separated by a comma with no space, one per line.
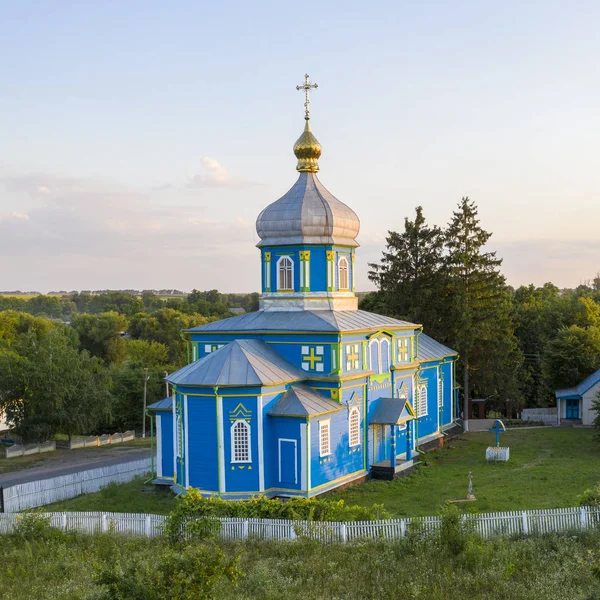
(308,393)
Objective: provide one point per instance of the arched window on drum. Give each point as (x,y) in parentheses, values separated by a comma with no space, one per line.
(285,274)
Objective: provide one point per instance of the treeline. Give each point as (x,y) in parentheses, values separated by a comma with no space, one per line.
(208,303)
(85,374)
(516,346)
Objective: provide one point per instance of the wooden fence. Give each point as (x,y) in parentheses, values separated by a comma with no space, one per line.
(45,491)
(487,525)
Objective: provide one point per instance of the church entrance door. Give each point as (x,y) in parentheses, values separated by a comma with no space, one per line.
(288,462)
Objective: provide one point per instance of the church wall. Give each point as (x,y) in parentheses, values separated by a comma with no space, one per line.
(242,476)
(201,440)
(164,424)
(428,424)
(285,461)
(342,460)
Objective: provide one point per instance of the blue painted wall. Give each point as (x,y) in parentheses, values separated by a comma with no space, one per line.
(203,456)
(241,477)
(166,433)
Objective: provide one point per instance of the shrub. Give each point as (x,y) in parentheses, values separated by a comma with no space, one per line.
(193,506)
(590,497)
(33,526)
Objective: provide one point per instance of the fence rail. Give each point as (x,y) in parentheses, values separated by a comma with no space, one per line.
(45,491)
(487,525)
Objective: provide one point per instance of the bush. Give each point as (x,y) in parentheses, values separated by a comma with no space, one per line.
(590,497)
(193,506)
(33,526)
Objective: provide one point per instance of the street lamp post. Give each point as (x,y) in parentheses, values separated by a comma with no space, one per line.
(145,391)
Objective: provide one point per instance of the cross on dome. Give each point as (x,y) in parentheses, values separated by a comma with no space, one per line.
(306,88)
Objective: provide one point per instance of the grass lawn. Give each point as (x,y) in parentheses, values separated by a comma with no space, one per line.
(132,497)
(548,468)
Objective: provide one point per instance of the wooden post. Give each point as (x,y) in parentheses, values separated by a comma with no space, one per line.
(245,529)
(525,523)
(403,527)
(583,516)
(104,523)
(63,521)
(343,533)
(148,526)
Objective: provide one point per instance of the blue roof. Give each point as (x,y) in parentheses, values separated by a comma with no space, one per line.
(304,320)
(429,349)
(240,363)
(303,401)
(165,404)
(582,388)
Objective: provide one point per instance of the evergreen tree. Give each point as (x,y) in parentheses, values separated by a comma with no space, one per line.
(481,324)
(410,276)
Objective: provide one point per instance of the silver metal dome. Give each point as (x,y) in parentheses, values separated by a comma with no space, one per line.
(307,214)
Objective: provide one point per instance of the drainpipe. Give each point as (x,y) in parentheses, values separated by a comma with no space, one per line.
(187,345)
(219,442)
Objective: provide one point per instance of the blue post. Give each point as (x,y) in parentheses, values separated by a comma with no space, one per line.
(393,449)
(408,440)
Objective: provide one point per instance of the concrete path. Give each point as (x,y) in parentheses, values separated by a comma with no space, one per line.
(65,462)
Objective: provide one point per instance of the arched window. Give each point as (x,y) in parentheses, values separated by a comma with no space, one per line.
(285,273)
(354,426)
(240,442)
(374,355)
(384,345)
(343,273)
(421,401)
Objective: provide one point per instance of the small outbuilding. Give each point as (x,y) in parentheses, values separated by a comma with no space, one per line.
(574,405)
(165,456)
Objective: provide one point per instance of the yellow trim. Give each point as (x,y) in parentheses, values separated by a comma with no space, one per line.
(405,367)
(288,332)
(338,479)
(238,395)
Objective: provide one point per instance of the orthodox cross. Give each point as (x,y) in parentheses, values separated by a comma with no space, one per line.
(307,87)
(312,358)
(498,428)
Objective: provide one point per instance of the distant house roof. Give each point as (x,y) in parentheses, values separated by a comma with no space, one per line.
(165,404)
(303,401)
(392,411)
(240,363)
(303,320)
(429,349)
(578,390)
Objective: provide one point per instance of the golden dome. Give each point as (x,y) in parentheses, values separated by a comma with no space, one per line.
(307,150)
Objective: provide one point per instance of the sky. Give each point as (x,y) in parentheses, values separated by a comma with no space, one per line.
(139,140)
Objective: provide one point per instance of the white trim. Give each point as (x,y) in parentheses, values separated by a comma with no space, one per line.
(186,428)
(308,453)
(280,259)
(194,352)
(376,368)
(307,277)
(321,426)
(158,420)
(295,458)
(261,457)
(248,429)
(220,448)
(422,388)
(353,411)
(385,368)
(302,271)
(345,261)
(303,428)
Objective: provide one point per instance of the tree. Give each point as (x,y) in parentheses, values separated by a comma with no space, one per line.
(52,386)
(100,335)
(147,354)
(572,356)
(410,276)
(481,325)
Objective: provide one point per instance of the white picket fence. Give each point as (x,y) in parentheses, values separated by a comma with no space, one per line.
(487,525)
(45,491)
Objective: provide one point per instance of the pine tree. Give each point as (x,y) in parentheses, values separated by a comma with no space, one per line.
(410,275)
(481,322)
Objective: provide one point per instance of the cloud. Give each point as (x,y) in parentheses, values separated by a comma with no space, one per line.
(76,223)
(215,175)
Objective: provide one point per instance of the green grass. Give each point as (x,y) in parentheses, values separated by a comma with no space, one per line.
(45,565)
(548,468)
(132,497)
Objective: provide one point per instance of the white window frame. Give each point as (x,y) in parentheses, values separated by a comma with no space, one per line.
(285,259)
(343,261)
(322,450)
(389,354)
(379,367)
(352,349)
(422,400)
(234,457)
(354,427)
